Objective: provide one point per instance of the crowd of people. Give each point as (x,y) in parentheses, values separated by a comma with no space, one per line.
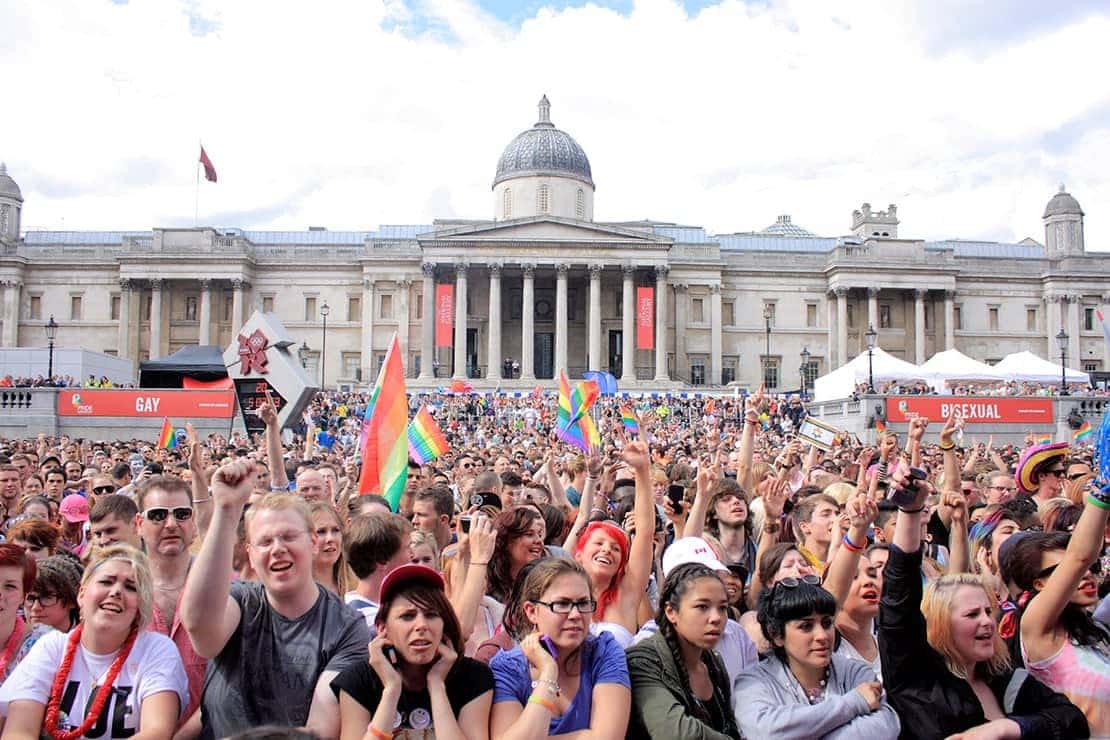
(58,381)
(704,575)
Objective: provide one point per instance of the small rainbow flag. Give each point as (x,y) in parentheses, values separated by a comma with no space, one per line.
(426,440)
(167,438)
(880,426)
(629,421)
(1044,439)
(385,453)
(710,406)
(1083,433)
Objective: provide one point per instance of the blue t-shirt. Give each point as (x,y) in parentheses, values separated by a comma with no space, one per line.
(325,440)
(603,661)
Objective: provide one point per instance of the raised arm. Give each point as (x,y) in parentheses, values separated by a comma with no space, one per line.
(594,466)
(917,431)
(555,484)
(706,481)
(268,413)
(208,615)
(636,575)
(838,576)
(752,405)
(959,549)
(774,492)
(466,599)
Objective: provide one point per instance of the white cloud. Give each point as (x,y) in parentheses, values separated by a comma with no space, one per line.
(353,114)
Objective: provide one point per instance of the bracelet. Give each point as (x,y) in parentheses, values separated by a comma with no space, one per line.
(549,706)
(852,547)
(552,684)
(772,527)
(475,562)
(202,500)
(1101,503)
(378,733)
(951,446)
(918,510)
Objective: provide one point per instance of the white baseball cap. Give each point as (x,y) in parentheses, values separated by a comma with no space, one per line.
(690,550)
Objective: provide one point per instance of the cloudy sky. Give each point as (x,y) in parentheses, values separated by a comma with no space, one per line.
(348,115)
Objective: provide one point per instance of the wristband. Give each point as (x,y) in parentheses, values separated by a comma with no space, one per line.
(474,562)
(378,733)
(951,446)
(549,706)
(202,500)
(553,685)
(1098,501)
(918,510)
(852,547)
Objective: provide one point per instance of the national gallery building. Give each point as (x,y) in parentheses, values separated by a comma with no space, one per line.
(541,286)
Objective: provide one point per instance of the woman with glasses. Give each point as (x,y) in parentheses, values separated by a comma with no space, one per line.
(52,600)
(1051,626)
(1041,471)
(805,689)
(560,679)
(680,688)
(17,576)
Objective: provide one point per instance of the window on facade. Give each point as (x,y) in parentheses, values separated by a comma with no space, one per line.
(310,308)
(1088,318)
(697,310)
(769,311)
(507,204)
(268,304)
(770,372)
(543,199)
(992,318)
(580,205)
(386,307)
(728,314)
(928,316)
(75,308)
(697,372)
(958,317)
(811,314)
(618,301)
(1092,366)
(884,316)
(851,315)
(354,309)
(144,306)
(351,365)
(728,370)
(36,307)
(229,305)
(115,308)
(419,306)
(1030,319)
(811,372)
(190,308)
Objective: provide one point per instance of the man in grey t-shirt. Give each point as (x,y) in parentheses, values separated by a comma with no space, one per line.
(275,645)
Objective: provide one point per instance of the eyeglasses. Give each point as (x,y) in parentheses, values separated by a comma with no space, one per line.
(1004,488)
(1095,569)
(1076,476)
(158,514)
(792,582)
(104,489)
(44,600)
(1058,472)
(565,607)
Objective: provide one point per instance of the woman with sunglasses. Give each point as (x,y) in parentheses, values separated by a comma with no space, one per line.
(1059,642)
(52,599)
(560,679)
(804,689)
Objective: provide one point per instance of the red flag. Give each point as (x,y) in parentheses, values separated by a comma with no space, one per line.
(645,318)
(445,313)
(209,168)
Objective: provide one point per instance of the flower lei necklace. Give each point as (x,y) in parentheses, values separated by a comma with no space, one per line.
(50,726)
(10,646)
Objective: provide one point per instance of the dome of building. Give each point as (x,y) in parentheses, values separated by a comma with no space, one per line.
(1062,204)
(543,150)
(784,227)
(8,187)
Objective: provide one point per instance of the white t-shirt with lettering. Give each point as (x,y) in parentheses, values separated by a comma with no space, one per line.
(153,666)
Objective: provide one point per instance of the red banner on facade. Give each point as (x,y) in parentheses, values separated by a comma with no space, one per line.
(645,318)
(973,409)
(147,403)
(445,312)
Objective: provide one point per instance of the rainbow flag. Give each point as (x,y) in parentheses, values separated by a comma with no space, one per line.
(573,423)
(1083,433)
(880,426)
(385,453)
(461,386)
(710,406)
(426,440)
(1044,439)
(629,421)
(167,438)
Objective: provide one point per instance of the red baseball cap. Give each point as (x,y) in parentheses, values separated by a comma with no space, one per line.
(406,575)
(75,508)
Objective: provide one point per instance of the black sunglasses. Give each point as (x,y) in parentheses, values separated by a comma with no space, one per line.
(104,489)
(158,514)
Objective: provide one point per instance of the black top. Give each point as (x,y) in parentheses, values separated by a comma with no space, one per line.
(468,680)
(933,702)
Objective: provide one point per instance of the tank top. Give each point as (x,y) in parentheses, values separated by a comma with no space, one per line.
(1081,673)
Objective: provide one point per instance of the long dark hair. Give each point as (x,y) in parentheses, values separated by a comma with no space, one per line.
(676,585)
(511,525)
(432,599)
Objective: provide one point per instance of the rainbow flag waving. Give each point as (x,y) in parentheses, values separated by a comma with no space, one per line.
(629,421)
(880,426)
(385,453)
(1083,433)
(167,438)
(573,423)
(426,440)
(1044,439)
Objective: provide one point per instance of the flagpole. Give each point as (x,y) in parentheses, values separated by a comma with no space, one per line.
(196,201)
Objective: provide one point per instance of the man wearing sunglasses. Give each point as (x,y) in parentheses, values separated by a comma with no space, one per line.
(168,528)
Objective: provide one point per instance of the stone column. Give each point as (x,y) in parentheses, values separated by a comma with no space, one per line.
(1052,319)
(919,325)
(628,325)
(661,375)
(156,318)
(842,325)
(873,308)
(528,323)
(716,362)
(493,350)
(830,329)
(1074,343)
(561,271)
(123,346)
(460,320)
(205,334)
(595,362)
(428,329)
(404,290)
(681,303)
(366,338)
(12,290)
(949,319)
(238,285)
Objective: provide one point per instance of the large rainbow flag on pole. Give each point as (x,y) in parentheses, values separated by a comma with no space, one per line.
(573,423)
(385,453)
(426,440)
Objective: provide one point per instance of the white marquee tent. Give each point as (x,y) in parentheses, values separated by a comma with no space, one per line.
(842,382)
(1026,367)
(954,365)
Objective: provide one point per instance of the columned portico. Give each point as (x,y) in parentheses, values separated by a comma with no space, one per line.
(681,301)
(561,270)
(156,318)
(949,319)
(493,351)
(841,325)
(460,321)
(404,288)
(1074,349)
(12,289)
(628,324)
(205,333)
(873,307)
(716,361)
(528,323)
(123,346)
(238,286)
(661,323)
(919,325)
(427,335)
(366,340)
(594,360)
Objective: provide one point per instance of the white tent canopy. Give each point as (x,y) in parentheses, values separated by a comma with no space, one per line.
(954,365)
(842,382)
(1026,367)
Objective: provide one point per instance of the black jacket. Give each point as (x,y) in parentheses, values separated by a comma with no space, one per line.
(932,701)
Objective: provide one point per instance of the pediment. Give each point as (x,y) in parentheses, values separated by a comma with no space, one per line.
(543,230)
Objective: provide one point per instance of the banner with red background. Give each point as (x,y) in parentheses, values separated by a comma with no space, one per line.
(147,403)
(645,318)
(974,410)
(445,311)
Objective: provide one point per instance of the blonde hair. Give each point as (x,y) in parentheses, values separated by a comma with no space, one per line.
(840,490)
(344,578)
(140,571)
(281,502)
(420,537)
(937,605)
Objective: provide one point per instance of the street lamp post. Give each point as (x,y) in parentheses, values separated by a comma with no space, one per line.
(870,335)
(51,329)
(1062,344)
(324,311)
(302,354)
(805,367)
(767,314)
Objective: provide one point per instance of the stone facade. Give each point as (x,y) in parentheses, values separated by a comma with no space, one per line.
(545,289)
